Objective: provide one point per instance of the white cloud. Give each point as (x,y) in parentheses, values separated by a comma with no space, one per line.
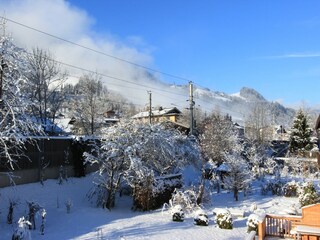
(61,19)
(298,55)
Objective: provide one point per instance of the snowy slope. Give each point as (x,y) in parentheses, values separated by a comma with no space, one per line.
(237,105)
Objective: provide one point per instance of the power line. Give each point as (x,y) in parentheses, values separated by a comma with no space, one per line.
(108,76)
(114,57)
(97,51)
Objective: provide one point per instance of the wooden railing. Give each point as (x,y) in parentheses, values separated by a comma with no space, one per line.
(278,226)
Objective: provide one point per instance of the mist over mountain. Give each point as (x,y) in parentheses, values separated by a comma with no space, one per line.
(238,105)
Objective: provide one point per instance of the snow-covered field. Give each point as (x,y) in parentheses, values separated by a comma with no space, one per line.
(88,222)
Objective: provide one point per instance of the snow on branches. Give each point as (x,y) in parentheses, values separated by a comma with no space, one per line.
(137,154)
(15,123)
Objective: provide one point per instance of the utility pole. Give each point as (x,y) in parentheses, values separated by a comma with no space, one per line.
(191,108)
(150,107)
(1,76)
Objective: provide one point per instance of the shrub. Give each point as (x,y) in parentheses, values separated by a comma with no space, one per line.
(223,219)
(201,218)
(308,195)
(275,187)
(254,219)
(187,199)
(290,189)
(153,193)
(252,223)
(22,231)
(177,213)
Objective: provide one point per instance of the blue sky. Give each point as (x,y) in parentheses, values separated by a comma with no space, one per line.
(272,46)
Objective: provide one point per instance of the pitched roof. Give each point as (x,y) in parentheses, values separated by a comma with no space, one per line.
(159,112)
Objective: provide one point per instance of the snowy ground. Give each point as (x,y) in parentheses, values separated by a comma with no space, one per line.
(87,222)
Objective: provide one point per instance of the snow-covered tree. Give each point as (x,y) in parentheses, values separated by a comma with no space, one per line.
(15,122)
(238,175)
(44,82)
(89,105)
(300,137)
(112,156)
(217,137)
(138,154)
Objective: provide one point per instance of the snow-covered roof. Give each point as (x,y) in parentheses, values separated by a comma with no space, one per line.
(159,112)
(223,168)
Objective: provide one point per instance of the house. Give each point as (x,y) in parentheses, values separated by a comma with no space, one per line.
(159,115)
(110,114)
(317,128)
(110,118)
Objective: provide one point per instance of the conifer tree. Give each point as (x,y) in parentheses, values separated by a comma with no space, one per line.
(300,137)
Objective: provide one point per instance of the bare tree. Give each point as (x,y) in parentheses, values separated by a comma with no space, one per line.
(90,105)
(258,124)
(43,86)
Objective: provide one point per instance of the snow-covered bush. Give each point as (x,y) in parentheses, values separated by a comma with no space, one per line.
(224,219)
(43,214)
(69,205)
(254,219)
(22,231)
(308,195)
(271,166)
(200,218)
(275,186)
(252,223)
(290,189)
(33,209)
(163,187)
(187,199)
(177,213)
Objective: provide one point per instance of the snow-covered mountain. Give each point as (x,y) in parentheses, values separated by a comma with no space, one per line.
(238,105)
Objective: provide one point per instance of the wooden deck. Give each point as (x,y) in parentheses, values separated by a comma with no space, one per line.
(285,227)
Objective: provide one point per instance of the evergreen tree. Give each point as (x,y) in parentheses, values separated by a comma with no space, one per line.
(300,137)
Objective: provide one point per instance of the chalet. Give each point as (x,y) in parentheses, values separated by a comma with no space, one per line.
(159,115)
(110,114)
(110,118)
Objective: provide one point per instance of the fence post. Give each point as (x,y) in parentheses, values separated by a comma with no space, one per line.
(262,229)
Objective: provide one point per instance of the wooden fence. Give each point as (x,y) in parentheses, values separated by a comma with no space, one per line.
(45,155)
